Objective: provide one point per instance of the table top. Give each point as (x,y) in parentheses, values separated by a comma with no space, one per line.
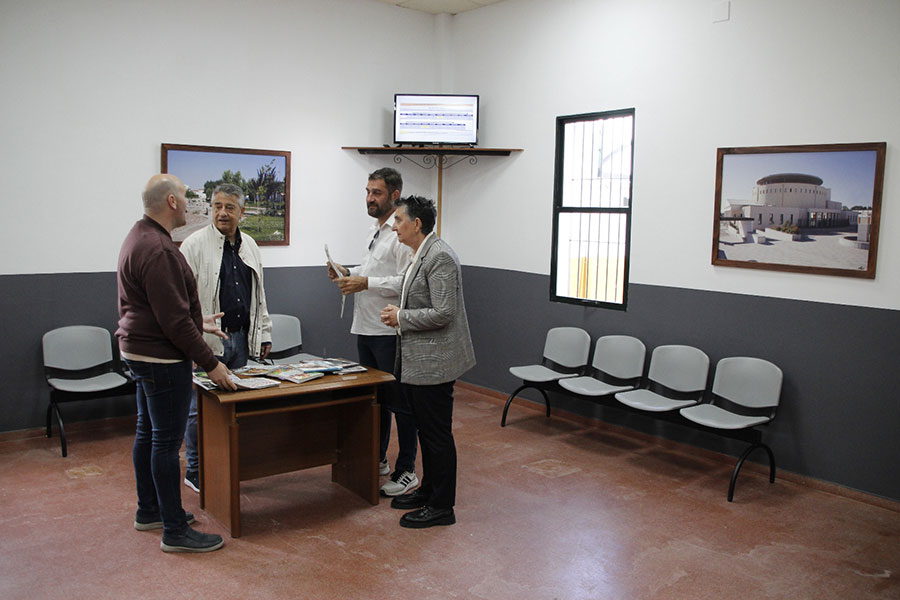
(322,384)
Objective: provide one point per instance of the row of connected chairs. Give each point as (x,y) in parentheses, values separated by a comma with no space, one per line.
(79,364)
(745,391)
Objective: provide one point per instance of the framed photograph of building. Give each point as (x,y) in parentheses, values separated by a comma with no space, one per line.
(264,175)
(804,209)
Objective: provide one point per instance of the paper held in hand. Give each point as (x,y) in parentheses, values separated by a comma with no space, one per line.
(339,274)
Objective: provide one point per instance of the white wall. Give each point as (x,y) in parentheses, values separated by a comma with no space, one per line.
(92,87)
(777,73)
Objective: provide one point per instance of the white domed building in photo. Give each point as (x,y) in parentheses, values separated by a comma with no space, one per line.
(793,198)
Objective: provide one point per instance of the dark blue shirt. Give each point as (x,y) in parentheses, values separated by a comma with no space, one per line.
(235,279)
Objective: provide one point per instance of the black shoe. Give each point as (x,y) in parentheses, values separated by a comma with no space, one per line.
(414,499)
(428,517)
(192,480)
(155,522)
(191,541)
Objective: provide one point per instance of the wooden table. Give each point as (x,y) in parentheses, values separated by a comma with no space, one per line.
(256,433)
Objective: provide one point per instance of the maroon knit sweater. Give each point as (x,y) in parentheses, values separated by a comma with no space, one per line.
(159,311)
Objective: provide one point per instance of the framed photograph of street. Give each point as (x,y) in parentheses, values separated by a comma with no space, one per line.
(264,175)
(803,209)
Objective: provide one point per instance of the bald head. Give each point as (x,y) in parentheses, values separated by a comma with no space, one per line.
(165,201)
(158,190)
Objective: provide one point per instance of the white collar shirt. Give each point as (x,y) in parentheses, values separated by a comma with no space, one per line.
(409,268)
(384,263)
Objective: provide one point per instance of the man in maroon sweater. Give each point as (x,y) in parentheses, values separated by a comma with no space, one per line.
(160,334)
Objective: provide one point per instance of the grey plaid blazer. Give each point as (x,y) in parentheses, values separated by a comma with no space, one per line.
(434,345)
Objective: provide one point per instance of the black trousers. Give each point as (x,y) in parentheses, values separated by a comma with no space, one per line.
(432,407)
(378,351)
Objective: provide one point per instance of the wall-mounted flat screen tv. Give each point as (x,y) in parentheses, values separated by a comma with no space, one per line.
(435,119)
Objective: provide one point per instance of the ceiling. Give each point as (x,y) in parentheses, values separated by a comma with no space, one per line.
(437,7)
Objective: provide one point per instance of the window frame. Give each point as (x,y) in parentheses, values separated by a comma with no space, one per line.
(559,209)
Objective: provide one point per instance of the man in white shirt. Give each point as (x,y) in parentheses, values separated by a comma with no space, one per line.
(376,283)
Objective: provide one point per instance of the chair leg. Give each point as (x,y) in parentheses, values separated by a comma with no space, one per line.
(740,463)
(513,395)
(509,401)
(49,411)
(62,428)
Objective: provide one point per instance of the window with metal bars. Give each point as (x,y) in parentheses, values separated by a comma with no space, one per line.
(592,208)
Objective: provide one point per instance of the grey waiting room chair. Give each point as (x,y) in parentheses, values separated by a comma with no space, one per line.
(676,379)
(287,340)
(566,351)
(79,365)
(617,366)
(745,394)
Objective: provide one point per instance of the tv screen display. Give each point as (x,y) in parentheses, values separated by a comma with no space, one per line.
(435,119)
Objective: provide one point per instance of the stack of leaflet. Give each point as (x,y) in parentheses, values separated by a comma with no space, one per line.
(247,383)
(338,366)
(255,370)
(293,374)
(298,372)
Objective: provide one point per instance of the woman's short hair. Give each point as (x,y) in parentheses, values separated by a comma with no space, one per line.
(418,207)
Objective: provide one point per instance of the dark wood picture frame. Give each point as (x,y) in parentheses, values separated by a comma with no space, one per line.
(774,208)
(265,175)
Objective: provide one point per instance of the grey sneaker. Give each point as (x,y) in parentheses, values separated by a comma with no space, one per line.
(192,480)
(155,522)
(400,483)
(384,467)
(191,541)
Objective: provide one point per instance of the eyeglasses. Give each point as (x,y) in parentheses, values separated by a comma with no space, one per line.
(372,243)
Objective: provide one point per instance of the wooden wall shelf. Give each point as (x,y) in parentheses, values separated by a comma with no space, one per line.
(435,156)
(438,150)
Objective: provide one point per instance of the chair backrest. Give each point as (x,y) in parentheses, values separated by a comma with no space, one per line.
(680,368)
(621,356)
(77,347)
(285,333)
(750,382)
(568,346)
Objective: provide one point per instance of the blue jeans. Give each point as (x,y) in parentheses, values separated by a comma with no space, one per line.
(234,356)
(163,398)
(378,351)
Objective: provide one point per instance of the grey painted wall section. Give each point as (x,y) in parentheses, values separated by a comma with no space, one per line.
(837,420)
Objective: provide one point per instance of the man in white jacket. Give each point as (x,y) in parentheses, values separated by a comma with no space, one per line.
(229,273)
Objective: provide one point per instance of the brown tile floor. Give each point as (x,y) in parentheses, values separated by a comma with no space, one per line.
(547,509)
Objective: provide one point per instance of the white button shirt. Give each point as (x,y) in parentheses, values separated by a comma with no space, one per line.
(384,264)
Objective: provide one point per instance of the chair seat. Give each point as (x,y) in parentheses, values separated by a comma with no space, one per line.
(715,417)
(651,401)
(100,383)
(538,373)
(589,386)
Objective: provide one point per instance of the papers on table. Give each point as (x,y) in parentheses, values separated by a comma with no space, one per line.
(294,375)
(247,383)
(265,376)
(254,383)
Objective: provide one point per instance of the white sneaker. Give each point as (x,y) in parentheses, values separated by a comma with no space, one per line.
(400,483)
(384,467)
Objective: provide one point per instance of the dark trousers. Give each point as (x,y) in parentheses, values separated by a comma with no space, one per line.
(163,398)
(378,351)
(432,407)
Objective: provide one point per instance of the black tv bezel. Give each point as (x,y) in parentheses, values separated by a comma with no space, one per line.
(433,143)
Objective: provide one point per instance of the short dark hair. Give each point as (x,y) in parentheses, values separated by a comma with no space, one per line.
(420,208)
(392,179)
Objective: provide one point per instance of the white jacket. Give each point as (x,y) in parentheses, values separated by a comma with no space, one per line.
(203,250)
